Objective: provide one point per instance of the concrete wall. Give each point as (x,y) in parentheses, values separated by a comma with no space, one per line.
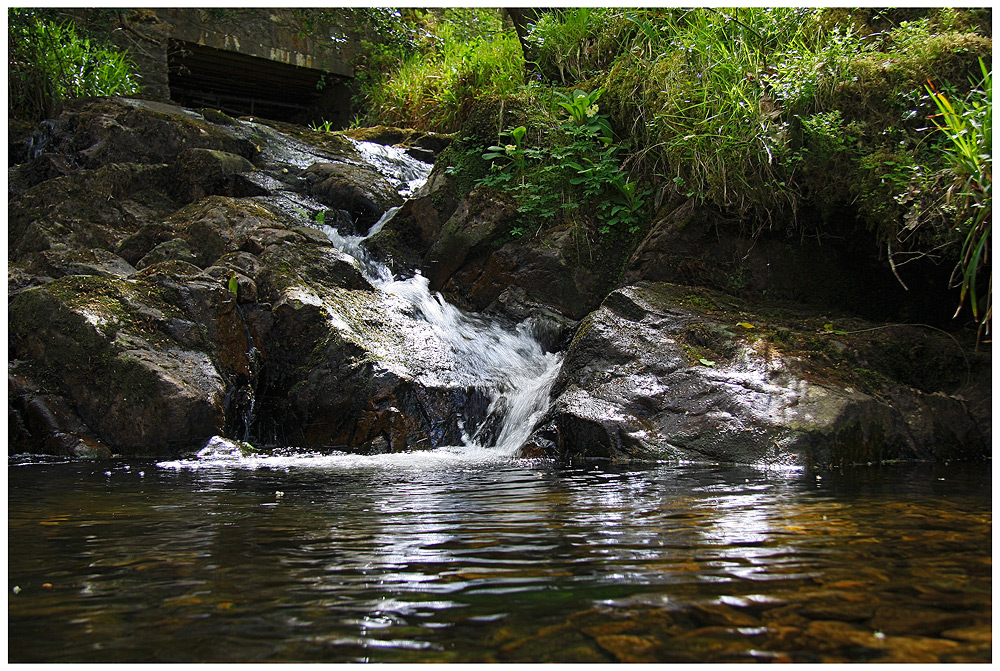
(315,43)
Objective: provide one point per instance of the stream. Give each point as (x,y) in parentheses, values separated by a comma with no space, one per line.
(442,557)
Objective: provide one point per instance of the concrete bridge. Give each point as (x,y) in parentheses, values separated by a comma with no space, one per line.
(283,64)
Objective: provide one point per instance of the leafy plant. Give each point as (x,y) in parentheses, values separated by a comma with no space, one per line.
(514,152)
(584,113)
(968,126)
(49,61)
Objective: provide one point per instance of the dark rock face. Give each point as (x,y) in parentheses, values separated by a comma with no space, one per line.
(463,244)
(697,245)
(164,291)
(655,375)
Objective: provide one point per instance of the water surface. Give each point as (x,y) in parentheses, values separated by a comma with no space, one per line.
(453,556)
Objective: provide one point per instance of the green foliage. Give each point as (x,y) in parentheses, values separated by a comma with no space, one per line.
(573,168)
(968,125)
(49,61)
(323,127)
(465,55)
(569,45)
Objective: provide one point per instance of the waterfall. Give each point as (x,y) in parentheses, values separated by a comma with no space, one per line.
(504,361)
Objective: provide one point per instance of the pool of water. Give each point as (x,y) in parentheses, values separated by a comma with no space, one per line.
(463,560)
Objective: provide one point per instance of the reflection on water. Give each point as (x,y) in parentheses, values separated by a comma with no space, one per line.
(313,560)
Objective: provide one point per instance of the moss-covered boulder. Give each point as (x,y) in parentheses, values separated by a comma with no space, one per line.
(666,372)
(97,132)
(146,362)
(87,209)
(55,263)
(203,172)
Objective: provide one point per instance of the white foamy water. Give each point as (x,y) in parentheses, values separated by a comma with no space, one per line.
(508,363)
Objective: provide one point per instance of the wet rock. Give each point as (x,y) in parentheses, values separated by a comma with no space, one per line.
(629,649)
(19,140)
(51,425)
(434,143)
(359,190)
(286,266)
(345,371)
(976,634)
(38,170)
(464,245)
(406,238)
(636,384)
(837,609)
(721,615)
(110,348)
(480,221)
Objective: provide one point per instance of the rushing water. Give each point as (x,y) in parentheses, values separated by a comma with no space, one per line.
(448,557)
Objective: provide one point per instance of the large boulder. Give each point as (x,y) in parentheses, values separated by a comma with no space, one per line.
(358,190)
(87,209)
(96,132)
(661,371)
(148,363)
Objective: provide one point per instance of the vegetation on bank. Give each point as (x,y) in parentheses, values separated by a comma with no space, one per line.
(819,122)
(829,123)
(49,61)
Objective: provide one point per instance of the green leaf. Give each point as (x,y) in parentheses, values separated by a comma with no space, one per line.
(706,362)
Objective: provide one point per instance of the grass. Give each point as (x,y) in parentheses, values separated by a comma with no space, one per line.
(433,89)
(48,61)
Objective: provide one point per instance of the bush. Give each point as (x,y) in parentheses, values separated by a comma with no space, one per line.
(49,62)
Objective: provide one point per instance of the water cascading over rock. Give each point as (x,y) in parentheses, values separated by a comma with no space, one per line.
(220,307)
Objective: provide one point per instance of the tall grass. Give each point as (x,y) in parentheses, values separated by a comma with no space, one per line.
(434,88)
(49,61)
(968,126)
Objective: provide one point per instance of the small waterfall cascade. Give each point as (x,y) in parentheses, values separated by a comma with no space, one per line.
(504,361)
(499,363)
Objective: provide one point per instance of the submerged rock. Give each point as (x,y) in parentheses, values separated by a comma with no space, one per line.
(667,372)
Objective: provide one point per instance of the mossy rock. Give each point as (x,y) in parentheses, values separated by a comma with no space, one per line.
(782,386)
(88,209)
